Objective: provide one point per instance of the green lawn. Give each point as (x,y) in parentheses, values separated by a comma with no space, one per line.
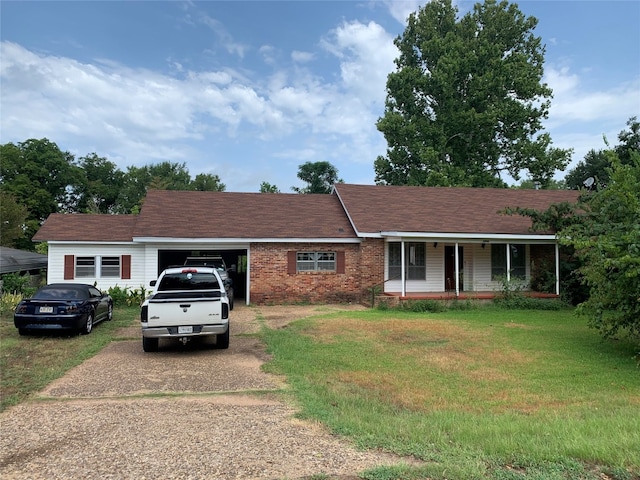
(28,364)
(482,393)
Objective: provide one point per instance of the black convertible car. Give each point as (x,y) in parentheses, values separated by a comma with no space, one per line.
(65,307)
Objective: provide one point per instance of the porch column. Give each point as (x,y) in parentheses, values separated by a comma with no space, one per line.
(557,269)
(457,262)
(508,249)
(402,272)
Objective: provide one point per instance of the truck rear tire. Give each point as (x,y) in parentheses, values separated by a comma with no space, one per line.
(222,340)
(149,344)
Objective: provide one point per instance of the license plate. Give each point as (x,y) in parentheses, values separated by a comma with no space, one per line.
(46,310)
(185,329)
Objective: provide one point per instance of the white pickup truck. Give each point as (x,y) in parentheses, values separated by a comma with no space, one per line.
(186,302)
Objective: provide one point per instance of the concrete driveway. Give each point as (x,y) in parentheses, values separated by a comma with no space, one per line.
(189,412)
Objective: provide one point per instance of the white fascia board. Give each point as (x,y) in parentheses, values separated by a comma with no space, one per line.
(83,242)
(502,237)
(244,241)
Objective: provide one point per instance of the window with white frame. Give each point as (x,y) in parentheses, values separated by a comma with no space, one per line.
(316,261)
(517,260)
(85,267)
(415,260)
(110,267)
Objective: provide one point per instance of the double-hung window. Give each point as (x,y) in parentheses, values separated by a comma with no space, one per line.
(110,267)
(517,260)
(85,267)
(415,260)
(316,262)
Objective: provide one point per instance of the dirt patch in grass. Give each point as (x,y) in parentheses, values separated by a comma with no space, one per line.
(433,353)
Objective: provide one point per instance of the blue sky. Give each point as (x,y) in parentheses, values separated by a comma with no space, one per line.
(250,90)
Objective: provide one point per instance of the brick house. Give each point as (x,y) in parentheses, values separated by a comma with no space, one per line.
(285,248)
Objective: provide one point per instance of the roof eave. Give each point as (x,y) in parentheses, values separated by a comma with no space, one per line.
(478,237)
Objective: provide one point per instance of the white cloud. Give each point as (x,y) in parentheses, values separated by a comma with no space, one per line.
(572,102)
(401,9)
(366,54)
(301,57)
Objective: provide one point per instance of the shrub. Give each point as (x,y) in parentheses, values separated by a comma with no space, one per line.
(16,283)
(125,296)
(9,301)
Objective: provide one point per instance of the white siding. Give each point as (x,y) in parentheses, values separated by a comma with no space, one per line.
(57,252)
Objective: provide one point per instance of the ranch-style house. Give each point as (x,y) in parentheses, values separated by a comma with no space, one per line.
(430,242)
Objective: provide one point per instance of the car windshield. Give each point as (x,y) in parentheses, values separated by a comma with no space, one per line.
(189,281)
(60,293)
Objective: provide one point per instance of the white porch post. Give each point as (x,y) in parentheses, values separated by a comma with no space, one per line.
(557,269)
(508,263)
(402,272)
(457,262)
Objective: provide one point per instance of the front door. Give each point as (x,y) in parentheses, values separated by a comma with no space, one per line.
(450,267)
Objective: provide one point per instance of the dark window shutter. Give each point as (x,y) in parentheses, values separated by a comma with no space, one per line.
(291,262)
(126,267)
(340,262)
(69,267)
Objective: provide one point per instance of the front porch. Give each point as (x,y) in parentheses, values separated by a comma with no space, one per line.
(451,295)
(392,299)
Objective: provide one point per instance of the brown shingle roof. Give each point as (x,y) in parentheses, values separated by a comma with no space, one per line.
(87,228)
(375,208)
(181,214)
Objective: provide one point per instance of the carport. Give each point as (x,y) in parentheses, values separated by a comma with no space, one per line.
(236,260)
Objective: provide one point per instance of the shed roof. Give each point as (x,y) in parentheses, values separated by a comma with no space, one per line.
(376,208)
(187,214)
(13,260)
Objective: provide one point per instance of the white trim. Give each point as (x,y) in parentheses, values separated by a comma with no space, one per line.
(472,237)
(237,243)
(346,212)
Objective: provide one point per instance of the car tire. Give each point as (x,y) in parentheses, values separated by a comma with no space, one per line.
(222,340)
(149,344)
(88,324)
(110,312)
(23,331)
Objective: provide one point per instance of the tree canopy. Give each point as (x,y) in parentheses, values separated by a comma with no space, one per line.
(319,176)
(466,101)
(37,179)
(606,238)
(597,163)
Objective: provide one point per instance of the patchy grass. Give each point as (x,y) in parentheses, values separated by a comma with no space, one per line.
(475,394)
(29,363)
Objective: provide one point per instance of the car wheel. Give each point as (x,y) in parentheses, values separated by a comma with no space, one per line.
(88,324)
(149,344)
(23,331)
(110,312)
(222,340)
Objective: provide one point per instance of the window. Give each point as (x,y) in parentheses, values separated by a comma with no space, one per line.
(85,267)
(517,258)
(315,261)
(110,267)
(415,257)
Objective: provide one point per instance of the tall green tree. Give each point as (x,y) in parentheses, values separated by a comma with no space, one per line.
(597,164)
(206,182)
(466,102)
(161,176)
(266,187)
(607,241)
(13,217)
(103,182)
(42,178)
(319,176)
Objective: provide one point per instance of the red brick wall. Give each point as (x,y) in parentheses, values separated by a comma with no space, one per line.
(270,282)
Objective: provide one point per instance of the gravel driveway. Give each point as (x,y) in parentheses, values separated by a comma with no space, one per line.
(125,414)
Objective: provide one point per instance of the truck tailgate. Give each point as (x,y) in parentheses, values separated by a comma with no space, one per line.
(185,311)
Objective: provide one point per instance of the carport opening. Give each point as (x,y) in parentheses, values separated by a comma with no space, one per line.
(236,261)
